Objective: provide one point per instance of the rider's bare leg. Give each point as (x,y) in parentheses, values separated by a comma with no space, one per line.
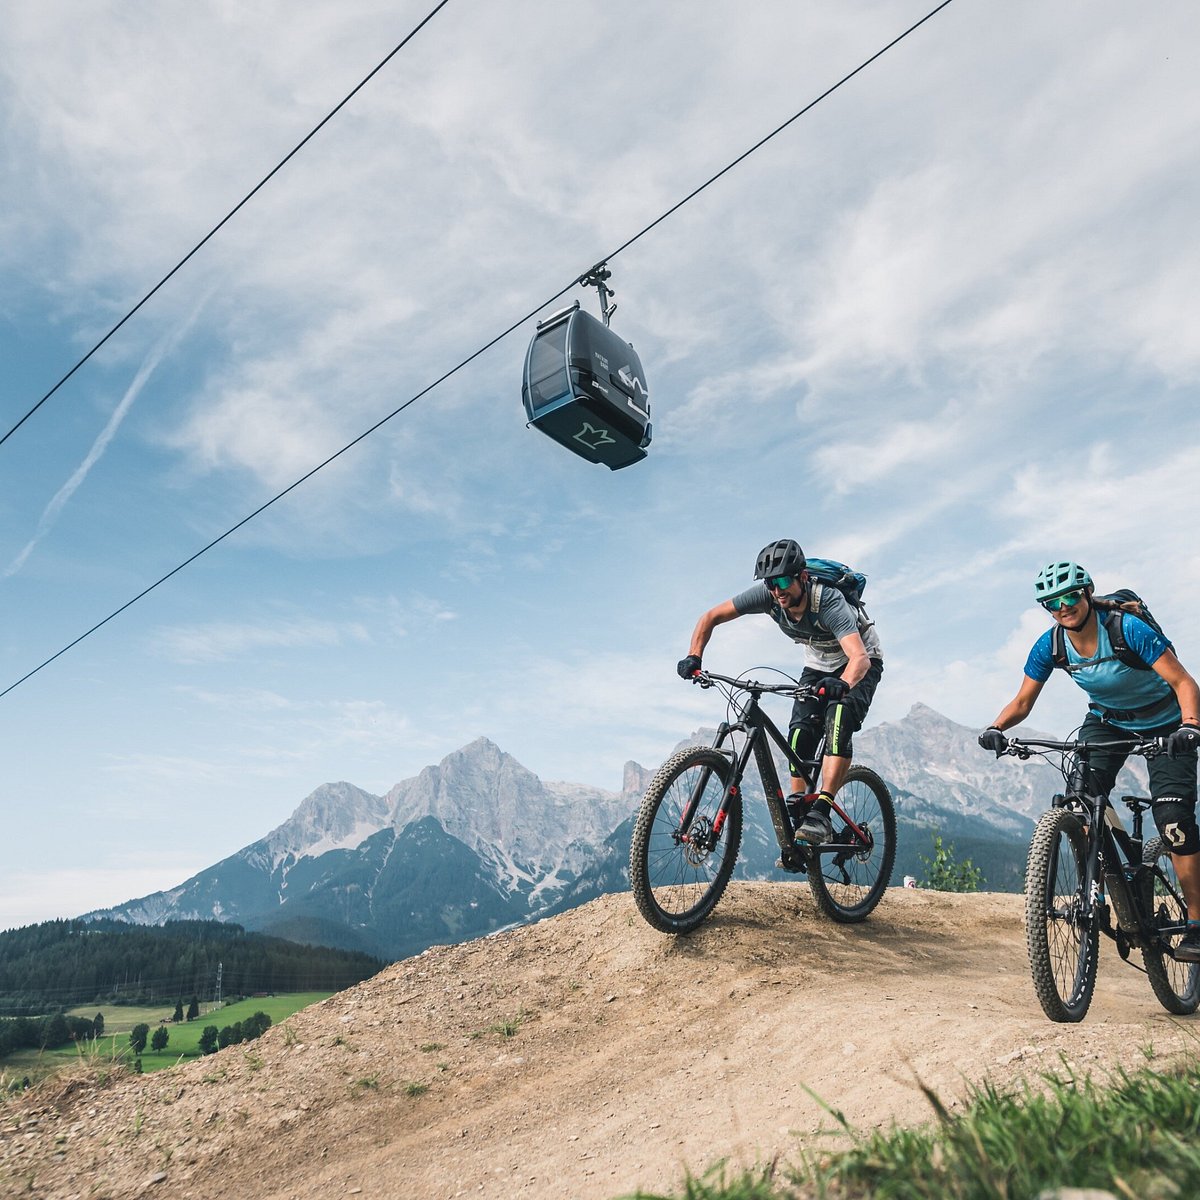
(1187,867)
(833,773)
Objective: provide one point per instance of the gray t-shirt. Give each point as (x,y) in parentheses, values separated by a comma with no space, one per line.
(829,617)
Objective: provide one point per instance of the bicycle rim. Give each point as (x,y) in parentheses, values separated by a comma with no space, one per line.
(1176,984)
(847,884)
(678,875)
(1063,943)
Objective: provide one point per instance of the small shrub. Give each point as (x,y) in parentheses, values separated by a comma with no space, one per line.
(945,874)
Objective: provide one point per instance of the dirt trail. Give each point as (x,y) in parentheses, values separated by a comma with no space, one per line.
(588,1056)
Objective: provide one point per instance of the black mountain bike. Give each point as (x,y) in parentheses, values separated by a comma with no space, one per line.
(1085,876)
(689,826)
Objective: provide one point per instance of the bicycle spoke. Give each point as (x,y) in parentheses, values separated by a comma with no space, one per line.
(848,882)
(1176,984)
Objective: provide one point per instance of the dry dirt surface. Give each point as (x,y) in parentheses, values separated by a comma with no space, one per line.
(589,1056)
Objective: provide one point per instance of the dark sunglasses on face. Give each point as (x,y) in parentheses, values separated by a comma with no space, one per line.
(781,583)
(1068,601)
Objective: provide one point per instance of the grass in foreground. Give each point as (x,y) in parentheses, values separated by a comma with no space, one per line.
(1134,1136)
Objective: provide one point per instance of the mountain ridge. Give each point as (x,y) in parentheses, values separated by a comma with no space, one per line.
(478,842)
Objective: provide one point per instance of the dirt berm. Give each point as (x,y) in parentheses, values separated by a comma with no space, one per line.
(587,1056)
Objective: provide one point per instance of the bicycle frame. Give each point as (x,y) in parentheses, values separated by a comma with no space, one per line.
(758,727)
(689,828)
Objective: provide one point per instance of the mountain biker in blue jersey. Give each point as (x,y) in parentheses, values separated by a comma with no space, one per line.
(842,657)
(1159,699)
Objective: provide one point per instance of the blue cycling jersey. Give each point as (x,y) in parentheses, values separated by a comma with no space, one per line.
(1143,699)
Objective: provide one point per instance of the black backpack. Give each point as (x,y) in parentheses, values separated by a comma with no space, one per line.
(1111,608)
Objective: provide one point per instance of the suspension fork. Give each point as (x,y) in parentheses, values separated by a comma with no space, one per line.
(732,787)
(1093,879)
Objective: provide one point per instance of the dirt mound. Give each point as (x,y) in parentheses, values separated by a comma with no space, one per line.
(588,1056)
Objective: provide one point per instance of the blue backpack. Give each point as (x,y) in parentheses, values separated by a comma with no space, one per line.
(837,575)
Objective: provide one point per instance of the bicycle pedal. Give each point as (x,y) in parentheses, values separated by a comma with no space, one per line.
(792,863)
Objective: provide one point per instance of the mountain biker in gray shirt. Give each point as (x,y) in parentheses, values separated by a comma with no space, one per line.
(842,658)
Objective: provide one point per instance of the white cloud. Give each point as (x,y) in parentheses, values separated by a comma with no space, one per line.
(880,452)
(225,641)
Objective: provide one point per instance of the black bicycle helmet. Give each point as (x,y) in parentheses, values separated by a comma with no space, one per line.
(783,557)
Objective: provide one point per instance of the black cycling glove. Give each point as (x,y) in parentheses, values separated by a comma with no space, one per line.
(832,688)
(993,739)
(1185,738)
(688,667)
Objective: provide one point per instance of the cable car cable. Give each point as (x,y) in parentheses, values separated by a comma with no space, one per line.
(291,487)
(779,129)
(232,213)
(469,359)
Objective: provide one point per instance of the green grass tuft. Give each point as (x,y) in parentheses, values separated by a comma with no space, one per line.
(1135,1135)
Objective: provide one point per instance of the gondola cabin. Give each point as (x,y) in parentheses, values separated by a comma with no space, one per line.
(585,388)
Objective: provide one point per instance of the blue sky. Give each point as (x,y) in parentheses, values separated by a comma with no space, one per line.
(940,328)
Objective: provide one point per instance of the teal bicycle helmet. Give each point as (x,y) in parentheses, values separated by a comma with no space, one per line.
(1058,578)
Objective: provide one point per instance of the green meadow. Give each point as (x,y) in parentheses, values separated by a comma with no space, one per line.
(113,1047)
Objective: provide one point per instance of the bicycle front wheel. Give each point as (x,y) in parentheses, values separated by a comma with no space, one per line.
(680,859)
(1176,984)
(1063,939)
(849,882)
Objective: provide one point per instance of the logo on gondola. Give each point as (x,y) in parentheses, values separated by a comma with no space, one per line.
(631,381)
(594,438)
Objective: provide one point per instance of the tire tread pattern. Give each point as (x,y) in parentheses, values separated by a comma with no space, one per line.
(1054,829)
(639,848)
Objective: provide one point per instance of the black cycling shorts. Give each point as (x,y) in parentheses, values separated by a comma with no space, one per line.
(840,719)
(1172,780)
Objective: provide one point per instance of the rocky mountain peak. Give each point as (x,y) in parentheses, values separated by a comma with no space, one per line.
(334,815)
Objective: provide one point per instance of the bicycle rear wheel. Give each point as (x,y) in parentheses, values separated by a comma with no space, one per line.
(848,883)
(1063,943)
(1176,984)
(678,874)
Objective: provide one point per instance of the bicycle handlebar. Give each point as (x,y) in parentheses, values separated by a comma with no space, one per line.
(707,679)
(1025,747)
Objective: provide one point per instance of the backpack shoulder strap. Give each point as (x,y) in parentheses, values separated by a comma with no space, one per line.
(1122,651)
(1058,651)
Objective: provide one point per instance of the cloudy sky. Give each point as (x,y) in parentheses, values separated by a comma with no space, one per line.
(941,328)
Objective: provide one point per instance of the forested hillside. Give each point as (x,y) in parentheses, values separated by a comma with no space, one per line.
(59,964)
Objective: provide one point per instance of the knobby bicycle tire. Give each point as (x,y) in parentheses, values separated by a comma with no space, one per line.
(1176,984)
(677,878)
(1063,944)
(847,886)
